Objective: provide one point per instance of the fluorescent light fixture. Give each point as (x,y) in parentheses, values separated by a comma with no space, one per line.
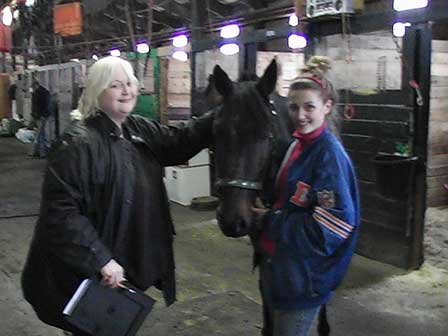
(95,57)
(180,55)
(230,31)
(7,16)
(297,41)
(399,28)
(402,5)
(115,52)
(180,41)
(229,49)
(293,20)
(143,48)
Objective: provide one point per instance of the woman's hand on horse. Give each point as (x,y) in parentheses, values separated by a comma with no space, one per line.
(112,274)
(258,215)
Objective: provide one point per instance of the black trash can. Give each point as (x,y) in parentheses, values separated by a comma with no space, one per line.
(394,174)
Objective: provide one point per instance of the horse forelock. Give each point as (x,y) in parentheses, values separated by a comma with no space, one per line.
(246,112)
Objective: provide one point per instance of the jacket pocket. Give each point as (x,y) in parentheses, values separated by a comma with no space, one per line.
(291,280)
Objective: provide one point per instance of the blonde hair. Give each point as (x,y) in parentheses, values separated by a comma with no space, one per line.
(314,76)
(99,78)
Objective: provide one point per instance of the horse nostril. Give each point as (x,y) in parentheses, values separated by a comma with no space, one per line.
(242,227)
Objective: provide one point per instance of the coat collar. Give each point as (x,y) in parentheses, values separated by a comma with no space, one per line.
(106,126)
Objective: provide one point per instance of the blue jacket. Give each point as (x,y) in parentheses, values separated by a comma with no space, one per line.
(316,231)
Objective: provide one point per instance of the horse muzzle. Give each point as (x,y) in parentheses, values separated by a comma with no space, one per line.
(234,227)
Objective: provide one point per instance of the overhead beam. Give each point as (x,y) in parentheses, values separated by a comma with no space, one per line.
(175,21)
(218,8)
(257,4)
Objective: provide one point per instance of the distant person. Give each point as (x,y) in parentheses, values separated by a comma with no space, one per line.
(104,210)
(308,237)
(41,111)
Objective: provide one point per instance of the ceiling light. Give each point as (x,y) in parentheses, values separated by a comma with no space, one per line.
(297,41)
(180,55)
(399,28)
(180,41)
(143,48)
(230,31)
(229,49)
(293,20)
(402,5)
(115,52)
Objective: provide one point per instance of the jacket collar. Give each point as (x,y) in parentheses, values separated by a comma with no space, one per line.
(106,126)
(309,138)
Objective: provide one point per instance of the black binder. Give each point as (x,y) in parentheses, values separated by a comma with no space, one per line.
(103,311)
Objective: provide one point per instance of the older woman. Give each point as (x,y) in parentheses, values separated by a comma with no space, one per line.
(104,208)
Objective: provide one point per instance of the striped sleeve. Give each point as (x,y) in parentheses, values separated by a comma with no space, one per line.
(332,223)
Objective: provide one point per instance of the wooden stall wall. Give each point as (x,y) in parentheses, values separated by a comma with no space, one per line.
(437,174)
(202,99)
(179,90)
(366,63)
(206,61)
(367,71)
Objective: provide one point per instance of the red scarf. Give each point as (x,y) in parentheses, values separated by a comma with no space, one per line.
(281,188)
(303,141)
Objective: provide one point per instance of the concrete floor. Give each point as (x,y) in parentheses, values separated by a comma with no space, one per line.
(217,292)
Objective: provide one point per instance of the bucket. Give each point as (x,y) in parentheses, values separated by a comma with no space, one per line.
(394,174)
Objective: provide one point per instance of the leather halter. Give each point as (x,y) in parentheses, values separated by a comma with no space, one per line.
(238,183)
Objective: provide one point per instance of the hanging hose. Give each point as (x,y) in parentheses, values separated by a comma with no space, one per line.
(349,109)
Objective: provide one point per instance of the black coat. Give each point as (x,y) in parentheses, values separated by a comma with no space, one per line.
(103,197)
(41,103)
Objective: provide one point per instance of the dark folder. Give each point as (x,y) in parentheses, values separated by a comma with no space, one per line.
(104,311)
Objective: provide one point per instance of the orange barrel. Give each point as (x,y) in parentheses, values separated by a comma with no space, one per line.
(5,38)
(67,19)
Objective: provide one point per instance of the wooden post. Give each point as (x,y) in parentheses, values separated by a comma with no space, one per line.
(25,53)
(131,34)
(419,38)
(150,18)
(163,92)
(149,34)
(198,15)
(3,62)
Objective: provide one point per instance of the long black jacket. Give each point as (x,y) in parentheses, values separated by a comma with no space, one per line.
(103,197)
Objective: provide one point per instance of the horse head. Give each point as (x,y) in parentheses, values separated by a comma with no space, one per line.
(243,136)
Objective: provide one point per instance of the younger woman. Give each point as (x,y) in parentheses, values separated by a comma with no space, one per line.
(309,236)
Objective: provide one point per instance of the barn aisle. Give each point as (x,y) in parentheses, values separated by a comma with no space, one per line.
(217,292)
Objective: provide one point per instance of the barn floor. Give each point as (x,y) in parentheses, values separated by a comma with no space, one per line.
(217,292)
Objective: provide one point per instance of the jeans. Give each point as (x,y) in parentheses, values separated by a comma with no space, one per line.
(278,322)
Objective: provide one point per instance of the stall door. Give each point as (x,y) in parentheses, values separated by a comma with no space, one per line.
(383,123)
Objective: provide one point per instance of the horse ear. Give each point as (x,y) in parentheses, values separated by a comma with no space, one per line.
(267,82)
(222,82)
